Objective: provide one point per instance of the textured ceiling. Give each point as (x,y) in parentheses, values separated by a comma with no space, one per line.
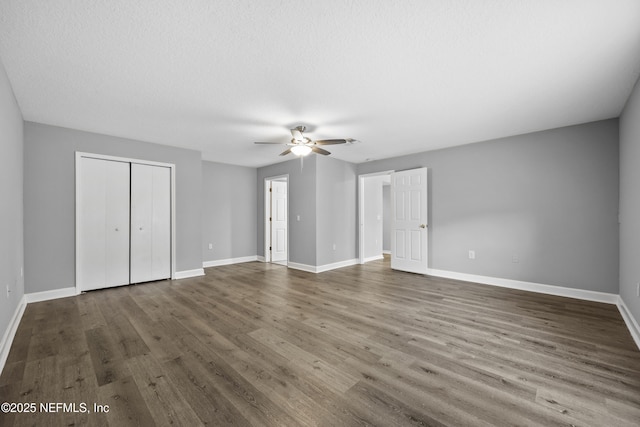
(400,76)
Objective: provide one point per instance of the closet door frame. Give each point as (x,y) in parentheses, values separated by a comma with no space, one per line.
(171,166)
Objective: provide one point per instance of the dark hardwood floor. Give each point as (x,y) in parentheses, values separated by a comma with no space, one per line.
(260,344)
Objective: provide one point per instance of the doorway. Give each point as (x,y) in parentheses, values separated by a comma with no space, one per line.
(372,218)
(276,219)
(407,219)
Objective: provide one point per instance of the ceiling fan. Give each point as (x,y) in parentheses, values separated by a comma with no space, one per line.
(301,145)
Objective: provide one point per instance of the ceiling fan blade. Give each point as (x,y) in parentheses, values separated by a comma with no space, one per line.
(266,142)
(285,152)
(331,141)
(319,150)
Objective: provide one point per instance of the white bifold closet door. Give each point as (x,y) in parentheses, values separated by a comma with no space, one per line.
(123,223)
(150,223)
(103,224)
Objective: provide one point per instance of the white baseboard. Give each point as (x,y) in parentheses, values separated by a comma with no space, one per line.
(339,264)
(386,252)
(189,273)
(322,268)
(261,258)
(49,295)
(631,322)
(529,286)
(10,333)
(303,267)
(229,261)
(373,258)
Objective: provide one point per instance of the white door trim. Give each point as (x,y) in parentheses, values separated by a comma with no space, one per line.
(79,156)
(361,178)
(267,208)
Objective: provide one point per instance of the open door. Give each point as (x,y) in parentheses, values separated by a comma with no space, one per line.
(279,221)
(409,220)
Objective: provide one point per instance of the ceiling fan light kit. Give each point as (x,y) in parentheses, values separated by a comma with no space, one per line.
(301,150)
(301,145)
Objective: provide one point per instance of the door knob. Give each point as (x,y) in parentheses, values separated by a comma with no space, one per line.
(423,225)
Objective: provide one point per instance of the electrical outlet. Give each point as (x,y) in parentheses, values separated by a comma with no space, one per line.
(210,245)
(515,258)
(334,246)
(472,254)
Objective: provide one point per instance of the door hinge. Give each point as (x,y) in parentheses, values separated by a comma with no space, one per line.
(270,219)
(270,248)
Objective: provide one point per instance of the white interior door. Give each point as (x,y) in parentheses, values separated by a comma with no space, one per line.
(103,224)
(278,221)
(409,220)
(150,223)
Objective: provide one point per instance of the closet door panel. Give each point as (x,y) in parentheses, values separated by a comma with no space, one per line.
(150,223)
(117,224)
(103,224)
(141,212)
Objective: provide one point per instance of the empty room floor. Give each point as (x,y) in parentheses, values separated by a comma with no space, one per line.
(259,344)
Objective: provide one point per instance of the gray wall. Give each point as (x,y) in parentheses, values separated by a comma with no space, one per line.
(302,202)
(336,210)
(323,194)
(49,194)
(549,199)
(11,196)
(228,211)
(630,203)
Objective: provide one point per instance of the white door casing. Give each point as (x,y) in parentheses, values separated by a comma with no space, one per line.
(150,223)
(409,230)
(103,224)
(279,221)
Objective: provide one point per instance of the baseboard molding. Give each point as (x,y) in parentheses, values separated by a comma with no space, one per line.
(631,322)
(386,252)
(49,295)
(303,267)
(229,261)
(322,268)
(10,333)
(339,264)
(189,273)
(260,258)
(529,286)
(373,258)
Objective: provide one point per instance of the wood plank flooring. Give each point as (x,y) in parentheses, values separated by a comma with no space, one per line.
(261,345)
